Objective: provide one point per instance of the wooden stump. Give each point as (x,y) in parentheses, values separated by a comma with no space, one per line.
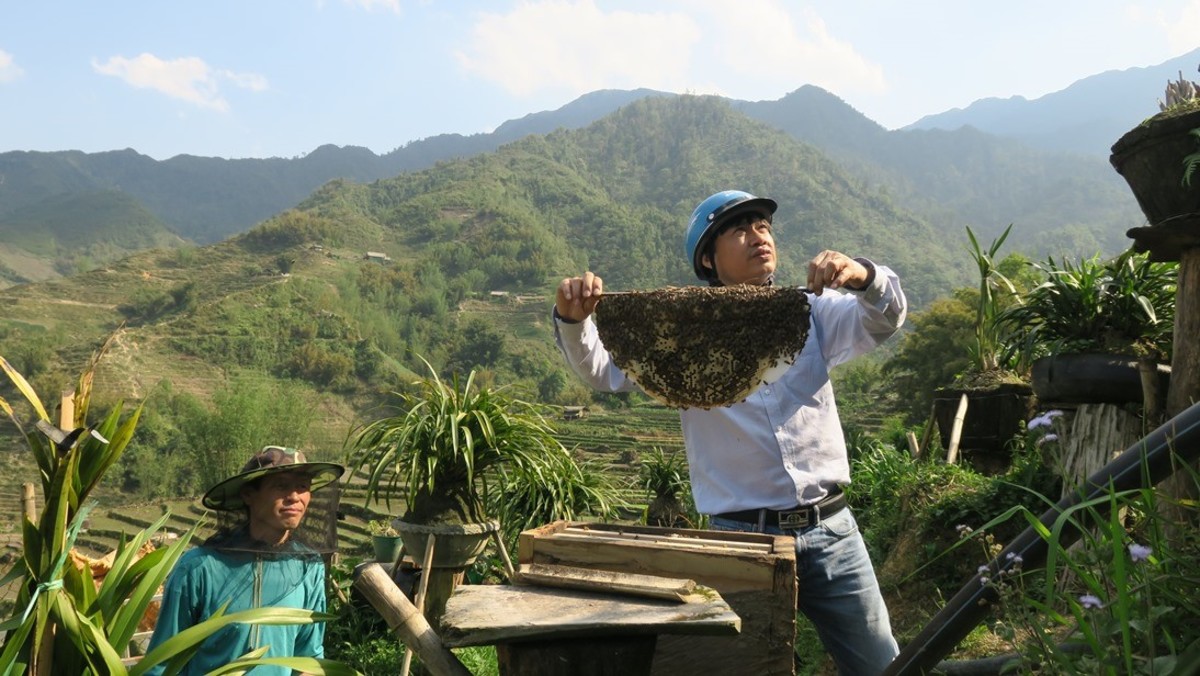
(1185,372)
(1096,434)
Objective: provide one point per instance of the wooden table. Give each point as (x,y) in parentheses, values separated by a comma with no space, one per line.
(543,631)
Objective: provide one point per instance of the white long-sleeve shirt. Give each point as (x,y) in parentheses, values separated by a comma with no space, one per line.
(783,445)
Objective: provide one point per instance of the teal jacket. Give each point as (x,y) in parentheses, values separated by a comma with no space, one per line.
(206,578)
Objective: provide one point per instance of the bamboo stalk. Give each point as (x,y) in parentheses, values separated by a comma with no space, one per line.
(405,621)
(956,431)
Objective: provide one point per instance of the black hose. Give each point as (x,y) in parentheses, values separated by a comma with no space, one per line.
(1144,464)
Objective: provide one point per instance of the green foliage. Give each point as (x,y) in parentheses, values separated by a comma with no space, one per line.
(190,444)
(381,527)
(361,639)
(106,225)
(564,490)
(61,618)
(1191,161)
(661,474)
(1122,306)
(447,438)
(1122,600)
(932,352)
(149,304)
(292,228)
(994,290)
(896,497)
(482,345)
(318,365)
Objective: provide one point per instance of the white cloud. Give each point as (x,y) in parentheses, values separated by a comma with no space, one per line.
(1182,31)
(574,46)
(9,70)
(252,81)
(769,50)
(752,49)
(371,5)
(188,79)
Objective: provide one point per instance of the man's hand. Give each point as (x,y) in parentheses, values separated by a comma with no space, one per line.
(577,296)
(833,270)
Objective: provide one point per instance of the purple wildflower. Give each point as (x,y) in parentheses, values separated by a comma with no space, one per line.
(1090,602)
(1047,438)
(1044,420)
(1139,553)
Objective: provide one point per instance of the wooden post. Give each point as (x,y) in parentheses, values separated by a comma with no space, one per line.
(508,566)
(1184,389)
(1185,360)
(403,618)
(914,448)
(426,567)
(956,431)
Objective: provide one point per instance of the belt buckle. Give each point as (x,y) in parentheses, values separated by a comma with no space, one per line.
(794,520)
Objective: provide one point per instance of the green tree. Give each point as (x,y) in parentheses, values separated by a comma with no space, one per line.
(245,415)
(482,345)
(933,352)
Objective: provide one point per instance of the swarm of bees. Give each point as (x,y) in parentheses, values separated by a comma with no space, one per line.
(703,347)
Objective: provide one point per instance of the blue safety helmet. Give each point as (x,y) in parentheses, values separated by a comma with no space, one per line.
(708,217)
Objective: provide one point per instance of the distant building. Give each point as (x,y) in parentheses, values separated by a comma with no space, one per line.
(574,412)
(378,257)
(498,295)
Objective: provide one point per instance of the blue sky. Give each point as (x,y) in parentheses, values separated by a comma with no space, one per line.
(277,78)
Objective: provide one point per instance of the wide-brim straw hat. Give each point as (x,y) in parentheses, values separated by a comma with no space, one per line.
(227,495)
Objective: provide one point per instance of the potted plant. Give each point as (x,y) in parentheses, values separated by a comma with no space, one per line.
(998,398)
(385,540)
(443,447)
(1087,327)
(1157,159)
(665,477)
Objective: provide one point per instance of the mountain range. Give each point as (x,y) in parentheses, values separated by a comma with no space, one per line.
(1038,164)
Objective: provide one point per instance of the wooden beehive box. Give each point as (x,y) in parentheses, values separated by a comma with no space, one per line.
(753,572)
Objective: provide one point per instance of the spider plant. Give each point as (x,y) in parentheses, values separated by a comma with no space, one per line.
(444,443)
(665,477)
(1122,306)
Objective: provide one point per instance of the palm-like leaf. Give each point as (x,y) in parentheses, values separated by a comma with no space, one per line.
(1095,306)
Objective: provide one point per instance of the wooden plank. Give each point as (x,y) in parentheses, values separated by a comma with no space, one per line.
(604,581)
(489,614)
(760,587)
(682,543)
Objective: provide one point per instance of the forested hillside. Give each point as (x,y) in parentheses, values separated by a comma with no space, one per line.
(294,310)
(80,231)
(1057,202)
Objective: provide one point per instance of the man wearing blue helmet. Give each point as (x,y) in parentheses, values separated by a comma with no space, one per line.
(776,462)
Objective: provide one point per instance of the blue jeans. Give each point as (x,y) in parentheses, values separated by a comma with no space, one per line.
(838,592)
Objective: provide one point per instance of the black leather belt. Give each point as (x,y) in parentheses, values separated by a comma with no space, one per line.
(799,517)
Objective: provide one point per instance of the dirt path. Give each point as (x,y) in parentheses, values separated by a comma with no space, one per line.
(64,301)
